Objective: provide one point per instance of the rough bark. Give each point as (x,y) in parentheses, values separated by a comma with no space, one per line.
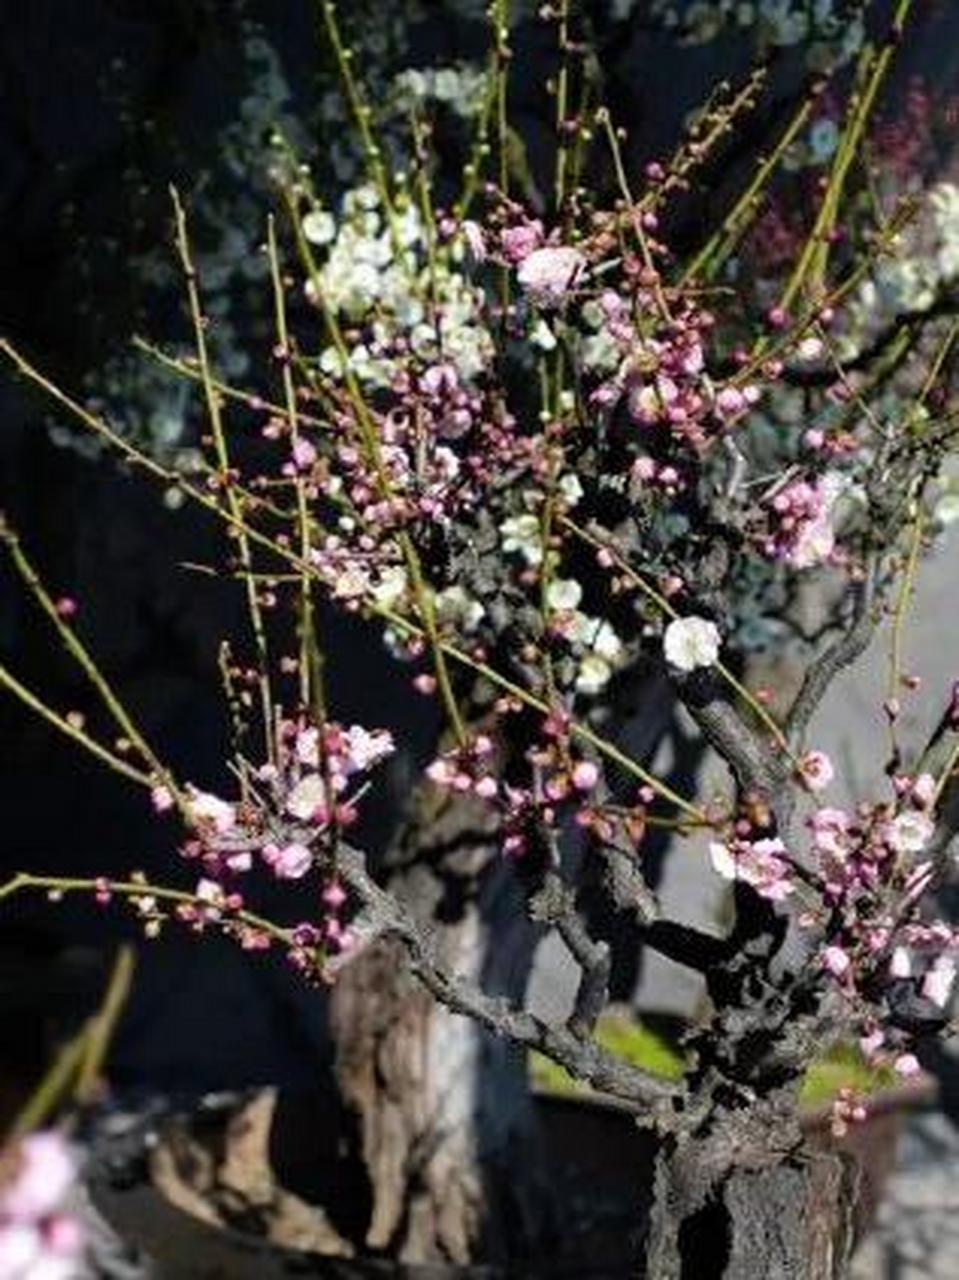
(443,1108)
(748,1200)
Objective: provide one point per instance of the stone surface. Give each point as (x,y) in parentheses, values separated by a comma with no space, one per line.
(916,1236)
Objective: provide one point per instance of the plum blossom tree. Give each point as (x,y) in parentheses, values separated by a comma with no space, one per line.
(542,454)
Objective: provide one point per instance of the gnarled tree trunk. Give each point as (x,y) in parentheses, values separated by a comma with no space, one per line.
(747,1199)
(443,1108)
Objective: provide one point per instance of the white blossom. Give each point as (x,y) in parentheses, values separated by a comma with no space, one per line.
(563,594)
(909,832)
(690,643)
(523,535)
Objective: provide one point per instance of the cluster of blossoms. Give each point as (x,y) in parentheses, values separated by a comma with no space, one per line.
(383,270)
(285,823)
(557,776)
(39,1238)
(801,521)
(834,30)
(637,351)
(461,89)
(895,969)
(909,281)
(762,864)
(310,790)
(597,647)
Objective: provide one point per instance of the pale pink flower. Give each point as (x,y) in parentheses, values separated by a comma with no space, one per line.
(909,832)
(830,828)
(475,240)
(161,798)
(548,274)
(872,1043)
(817,770)
(211,895)
(304,454)
(44,1173)
(900,963)
(291,862)
(519,242)
(307,747)
(938,982)
(307,800)
(761,864)
(906,1065)
(924,790)
(207,810)
(585,775)
(368,747)
(836,961)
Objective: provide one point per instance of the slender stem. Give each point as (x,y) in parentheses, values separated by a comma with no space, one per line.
(307,620)
(815,255)
(721,244)
(906,590)
(67,727)
(500,12)
(187,369)
(369,438)
(103,1025)
(562,96)
(84,659)
(362,116)
(445,649)
(54,1088)
(25,881)
(223,461)
(634,211)
(663,604)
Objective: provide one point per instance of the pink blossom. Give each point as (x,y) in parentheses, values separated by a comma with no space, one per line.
(522,240)
(938,982)
(291,862)
(367,747)
(836,961)
(548,274)
(924,790)
(307,747)
(307,800)
(585,775)
(475,240)
(334,895)
(731,404)
(817,770)
(900,964)
(761,864)
(207,810)
(161,798)
(872,1043)
(908,832)
(44,1172)
(304,454)
(830,829)
(906,1065)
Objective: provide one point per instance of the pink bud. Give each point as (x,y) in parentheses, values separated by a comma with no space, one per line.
(162,799)
(585,775)
(906,1065)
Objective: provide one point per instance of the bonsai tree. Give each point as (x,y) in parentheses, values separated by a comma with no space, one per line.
(548,459)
